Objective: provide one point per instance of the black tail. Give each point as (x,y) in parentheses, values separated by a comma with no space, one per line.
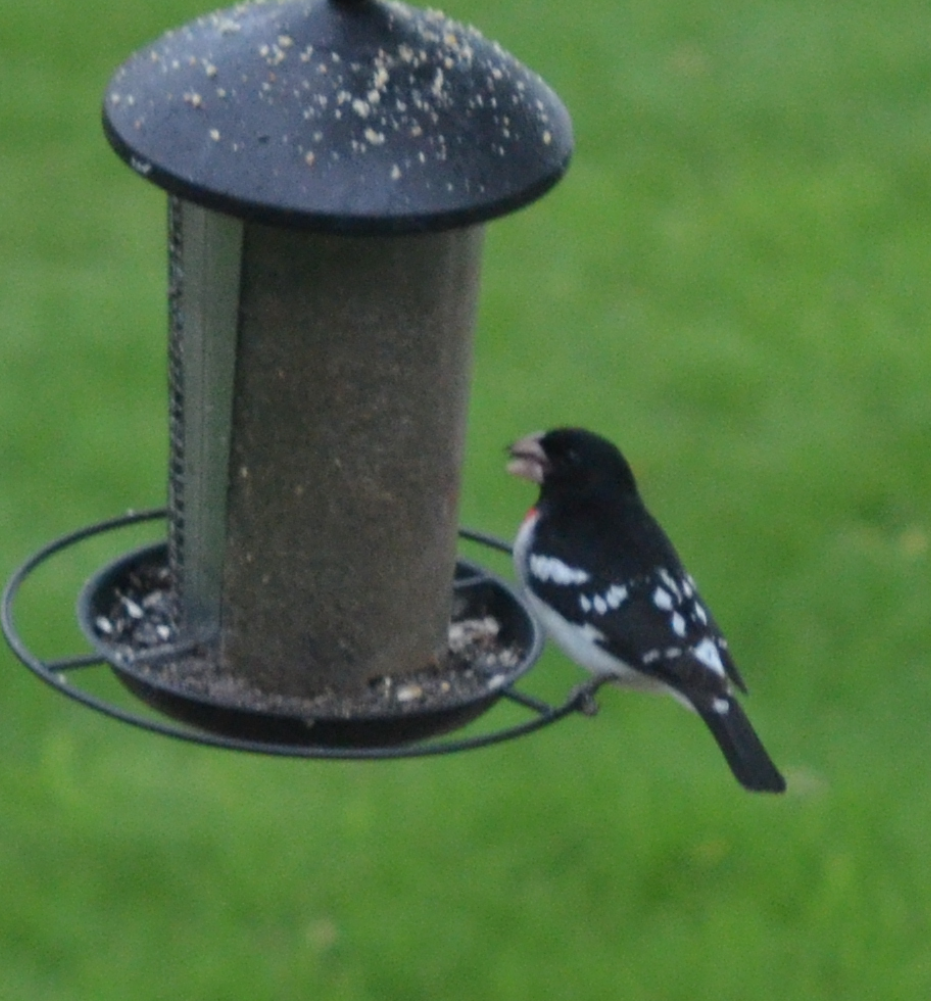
(752,766)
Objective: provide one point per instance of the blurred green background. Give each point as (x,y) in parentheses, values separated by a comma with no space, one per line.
(734,283)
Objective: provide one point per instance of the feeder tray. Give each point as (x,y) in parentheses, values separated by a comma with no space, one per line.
(123,610)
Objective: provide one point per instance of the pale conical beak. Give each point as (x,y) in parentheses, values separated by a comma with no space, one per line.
(528,460)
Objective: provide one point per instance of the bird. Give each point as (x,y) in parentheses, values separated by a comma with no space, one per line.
(609,588)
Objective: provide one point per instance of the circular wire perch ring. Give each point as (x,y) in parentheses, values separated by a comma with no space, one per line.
(56,673)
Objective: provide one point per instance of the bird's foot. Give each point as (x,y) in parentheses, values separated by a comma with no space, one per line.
(584,696)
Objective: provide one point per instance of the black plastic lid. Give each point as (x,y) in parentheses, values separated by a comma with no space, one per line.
(353,116)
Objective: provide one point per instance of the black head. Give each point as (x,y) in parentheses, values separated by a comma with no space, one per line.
(571,460)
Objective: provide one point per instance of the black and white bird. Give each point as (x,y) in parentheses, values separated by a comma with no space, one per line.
(610,589)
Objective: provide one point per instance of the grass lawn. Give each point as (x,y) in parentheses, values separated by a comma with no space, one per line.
(733,282)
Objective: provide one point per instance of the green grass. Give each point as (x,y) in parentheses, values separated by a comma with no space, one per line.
(734,282)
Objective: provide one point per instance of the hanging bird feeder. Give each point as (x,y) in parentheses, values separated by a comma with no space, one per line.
(329,166)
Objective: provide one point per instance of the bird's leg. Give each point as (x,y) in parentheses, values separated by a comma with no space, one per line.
(584,695)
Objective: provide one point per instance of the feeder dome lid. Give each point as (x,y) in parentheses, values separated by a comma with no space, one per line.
(351,116)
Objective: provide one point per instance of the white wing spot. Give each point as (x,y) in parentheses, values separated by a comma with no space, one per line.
(616,595)
(700,613)
(601,606)
(678,624)
(662,599)
(669,581)
(707,653)
(551,568)
(585,604)
(721,706)
(650,656)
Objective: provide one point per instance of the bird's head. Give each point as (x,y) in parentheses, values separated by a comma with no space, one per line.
(571,460)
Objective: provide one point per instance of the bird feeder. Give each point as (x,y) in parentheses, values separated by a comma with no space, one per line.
(329,166)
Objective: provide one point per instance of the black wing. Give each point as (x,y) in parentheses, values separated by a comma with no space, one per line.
(655,623)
